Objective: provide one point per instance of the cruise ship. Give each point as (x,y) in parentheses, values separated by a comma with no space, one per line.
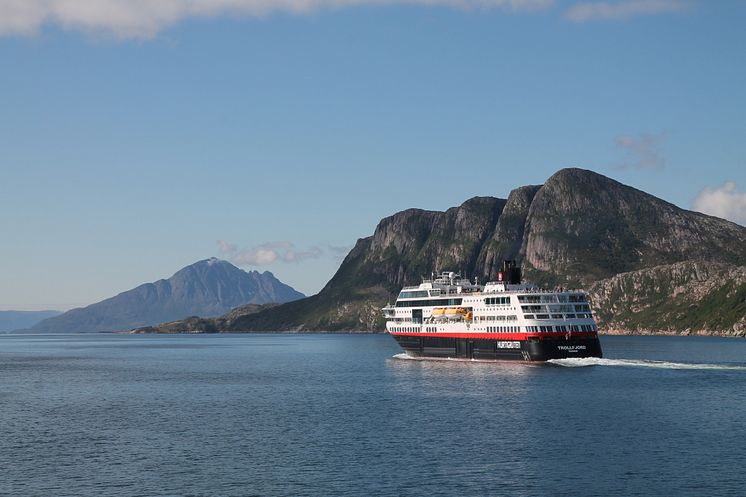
(447,316)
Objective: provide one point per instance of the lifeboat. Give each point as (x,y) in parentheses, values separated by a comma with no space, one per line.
(438,311)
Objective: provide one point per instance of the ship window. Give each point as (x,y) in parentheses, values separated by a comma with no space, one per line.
(532,308)
(529,316)
(413,295)
(428,303)
(542,316)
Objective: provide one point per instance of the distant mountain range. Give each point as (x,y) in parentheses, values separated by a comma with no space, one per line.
(13,320)
(648,265)
(207,288)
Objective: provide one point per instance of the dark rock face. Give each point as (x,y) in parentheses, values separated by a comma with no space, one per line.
(207,288)
(413,243)
(505,242)
(582,227)
(579,228)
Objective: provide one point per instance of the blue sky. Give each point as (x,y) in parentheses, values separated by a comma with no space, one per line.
(135,141)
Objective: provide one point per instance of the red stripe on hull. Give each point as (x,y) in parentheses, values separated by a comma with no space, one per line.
(501,336)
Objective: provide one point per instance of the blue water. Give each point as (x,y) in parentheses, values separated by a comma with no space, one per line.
(340,415)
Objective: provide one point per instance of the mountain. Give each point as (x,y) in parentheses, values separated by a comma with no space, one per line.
(13,320)
(636,253)
(207,288)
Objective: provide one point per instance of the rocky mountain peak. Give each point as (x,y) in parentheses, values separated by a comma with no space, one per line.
(209,287)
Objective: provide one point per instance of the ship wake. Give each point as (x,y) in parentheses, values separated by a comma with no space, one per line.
(638,363)
(407,357)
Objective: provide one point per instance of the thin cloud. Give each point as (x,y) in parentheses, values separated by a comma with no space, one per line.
(267,253)
(725,202)
(226,247)
(339,252)
(619,11)
(642,151)
(145,18)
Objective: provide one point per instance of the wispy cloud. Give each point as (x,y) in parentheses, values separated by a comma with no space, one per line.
(625,9)
(725,201)
(145,18)
(339,252)
(642,151)
(266,253)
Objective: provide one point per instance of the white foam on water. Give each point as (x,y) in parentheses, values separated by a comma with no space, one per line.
(406,357)
(403,356)
(637,363)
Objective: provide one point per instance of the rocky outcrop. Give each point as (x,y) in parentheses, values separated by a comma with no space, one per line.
(690,297)
(196,324)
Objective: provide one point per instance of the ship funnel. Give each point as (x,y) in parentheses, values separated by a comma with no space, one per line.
(511,273)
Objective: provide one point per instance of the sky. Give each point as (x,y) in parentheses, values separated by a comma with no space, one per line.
(139,137)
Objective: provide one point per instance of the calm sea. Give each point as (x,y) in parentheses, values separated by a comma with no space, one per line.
(327,415)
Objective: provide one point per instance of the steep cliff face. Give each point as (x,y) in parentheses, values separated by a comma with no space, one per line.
(582,227)
(413,243)
(507,237)
(579,228)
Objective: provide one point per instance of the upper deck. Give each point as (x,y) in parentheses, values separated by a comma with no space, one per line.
(449,284)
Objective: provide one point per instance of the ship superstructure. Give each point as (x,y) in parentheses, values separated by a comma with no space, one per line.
(448,316)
